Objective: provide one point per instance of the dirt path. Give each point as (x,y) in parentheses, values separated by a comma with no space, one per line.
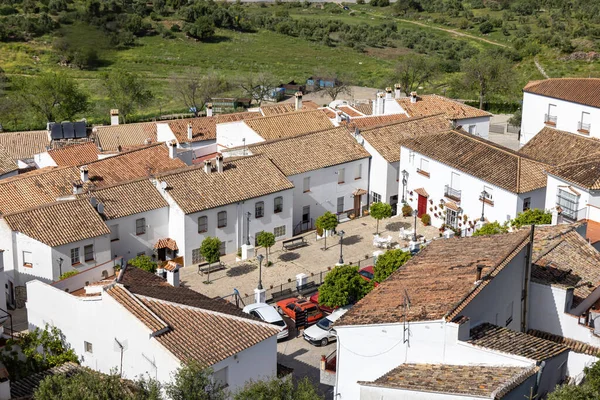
(454,32)
(540,68)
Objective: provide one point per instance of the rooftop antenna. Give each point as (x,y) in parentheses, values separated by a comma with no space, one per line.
(163,185)
(406,306)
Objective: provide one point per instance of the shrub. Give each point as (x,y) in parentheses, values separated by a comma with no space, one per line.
(175,28)
(389,262)
(407,210)
(486,27)
(68,274)
(492,228)
(426,219)
(143,262)
(534,216)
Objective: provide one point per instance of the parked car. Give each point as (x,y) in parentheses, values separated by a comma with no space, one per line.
(268,314)
(315,299)
(294,305)
(320,333)
(367,273)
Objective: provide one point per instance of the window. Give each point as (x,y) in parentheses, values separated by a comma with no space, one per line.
(222,219)
(451,217)
(259,209)
(509,313)
(88,252)
(358,174)
(278,205)
(27,259)
(424,169)
(114,233)
(279,231)
(202,224)
(472,129)
(340,204)
(306,184)
(584,124)
(550,118)
(197,256)
(305,213)
(376,197)
(220,377)
(140,226)
(489,195)
(341,175)
(455,181)
(88,347)
(569,203)
(75,256)
(526,203)
(223,248)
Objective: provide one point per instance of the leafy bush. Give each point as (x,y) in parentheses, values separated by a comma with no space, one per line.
(175,28)
(486,27)
(533,216)
(426,219)
(389,262)
(491,228)
(407,210)
(143,262)
(202,29)
(68,274)
(342,286)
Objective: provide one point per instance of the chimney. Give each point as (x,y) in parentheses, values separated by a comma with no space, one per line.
(77,187)
(479,270)
(388,93)
(207,166)
(338,117)
(172,149)
(380,103)
(173,273)
(83,172)
(397,90)
(298,101)
(220,163)
(114,116)
(189,131)
(413,97)
(209,110)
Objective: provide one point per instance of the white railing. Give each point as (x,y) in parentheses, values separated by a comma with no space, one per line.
(550,119)
(582,126)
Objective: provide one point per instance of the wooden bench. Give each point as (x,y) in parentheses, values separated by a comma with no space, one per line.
(205,268)
(282,294)
(307,288)
(294,243)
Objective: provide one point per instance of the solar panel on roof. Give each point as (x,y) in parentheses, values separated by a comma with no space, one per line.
(68,130)
(80,129)
(56,132)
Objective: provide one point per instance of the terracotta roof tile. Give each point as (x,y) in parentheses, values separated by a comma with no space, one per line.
(283,108)
(74,155)
(378,120)
(290,124)
(110,137)
(246,178)
(422,192)
(473,380)
(543,146)
(166,243)
(59,223)
(572,344)
(7,163)
(203,128)
(172,265)
(387,139)
(234,117)
(365,108)
(296,155)
(350,111)
(512,342)
(483,159)
(438,281)
(23,145)
(137,308)
(584,172)
(429,104)
(577,90)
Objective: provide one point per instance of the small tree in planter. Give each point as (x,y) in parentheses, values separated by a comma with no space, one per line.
(210,250)
(380,211)
(326,222)
(426,219)
(406,210)
(266,240)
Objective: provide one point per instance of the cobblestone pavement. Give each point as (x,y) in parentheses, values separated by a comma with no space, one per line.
(357,245)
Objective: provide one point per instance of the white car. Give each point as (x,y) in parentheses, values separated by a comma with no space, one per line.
(320,333)
(270,315)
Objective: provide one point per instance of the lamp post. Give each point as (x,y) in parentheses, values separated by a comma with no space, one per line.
(60,261)
(483,197)
(248,228)
(404,182)
(260,258)
(415,212)
(341,235)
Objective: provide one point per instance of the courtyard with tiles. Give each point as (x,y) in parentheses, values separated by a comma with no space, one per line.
(311,259)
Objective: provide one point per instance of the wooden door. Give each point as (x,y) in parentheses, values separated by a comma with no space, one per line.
(422,206)
(357,206)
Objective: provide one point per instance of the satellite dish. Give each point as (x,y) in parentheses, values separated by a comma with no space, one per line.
(93,201)
(163,185)
(100,208)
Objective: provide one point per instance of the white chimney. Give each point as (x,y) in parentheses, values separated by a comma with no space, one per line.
(83,173)
(207,166)
(380,103)
(172,149)
(220,163)
(413,97)
(173,273)
(374,111)
(189,131)
(397,91)
(114,117)
(338,117)
(209,110)
(388,93)
(77,187)
(298,104)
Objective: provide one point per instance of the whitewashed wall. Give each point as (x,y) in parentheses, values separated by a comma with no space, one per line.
(44,160)
(164,133)
(383,175)
(231,134)
(482,125)
(102,254)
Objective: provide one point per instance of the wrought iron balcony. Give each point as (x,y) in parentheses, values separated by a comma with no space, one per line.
(550,119)
(452,193)
(583,127)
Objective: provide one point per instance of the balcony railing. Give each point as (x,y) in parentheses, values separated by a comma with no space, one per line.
(550,119)
(452,193)
(583,127)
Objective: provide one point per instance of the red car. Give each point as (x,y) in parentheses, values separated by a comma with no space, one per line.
(367,273)
(315,299)
(293,305)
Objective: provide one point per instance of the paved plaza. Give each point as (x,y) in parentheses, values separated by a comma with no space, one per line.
(311,259)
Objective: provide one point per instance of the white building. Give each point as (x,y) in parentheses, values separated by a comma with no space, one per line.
(568,104)
(448,325)
(449,172)
(219,201)
(142,326)
(328,169)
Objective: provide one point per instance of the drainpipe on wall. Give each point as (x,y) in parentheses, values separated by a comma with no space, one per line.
(368,184)
(525,297)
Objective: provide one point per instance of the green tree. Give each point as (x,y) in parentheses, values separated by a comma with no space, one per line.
(143,262)
(40,349)
(202,29)
(588,390)
(414,70)
(380,211)
(196,90)
(126,91)
(486,27)
(532,217)
(488,74)
(211,251)
(279,389)
(326,222)
(342,286)
(193,382)
(53,96)
(68,274)
(389,262)
(266,240)
(491,228)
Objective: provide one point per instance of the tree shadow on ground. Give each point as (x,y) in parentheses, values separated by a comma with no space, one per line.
(289,256)
(350,240)
(395,226)
(242,269)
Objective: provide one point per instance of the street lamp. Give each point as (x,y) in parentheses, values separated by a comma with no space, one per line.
(415,212)
(404,182)
(484,195)
(260,258)
(341,235)
(60,261)
(248,228)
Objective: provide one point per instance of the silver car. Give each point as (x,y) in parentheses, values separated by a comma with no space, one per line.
(268,314)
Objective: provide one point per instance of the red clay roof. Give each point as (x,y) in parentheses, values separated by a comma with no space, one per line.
(430,104)
(577,90)
(74,155)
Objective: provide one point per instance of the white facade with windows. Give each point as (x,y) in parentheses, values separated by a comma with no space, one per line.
(576,202)
(383,178)
(479,126)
